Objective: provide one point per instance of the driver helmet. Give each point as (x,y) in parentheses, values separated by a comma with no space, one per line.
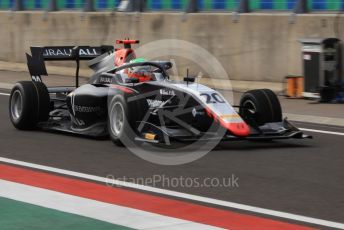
(143,73)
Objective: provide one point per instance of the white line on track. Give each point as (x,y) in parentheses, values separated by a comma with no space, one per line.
(322,131)
(134,218)
(207,200)
(5,94)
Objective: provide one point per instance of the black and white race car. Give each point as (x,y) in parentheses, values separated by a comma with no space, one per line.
(129,97)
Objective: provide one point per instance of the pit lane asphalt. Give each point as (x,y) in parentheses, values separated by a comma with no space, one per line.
(303,177)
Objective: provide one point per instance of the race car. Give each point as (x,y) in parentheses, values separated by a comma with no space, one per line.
(135,99)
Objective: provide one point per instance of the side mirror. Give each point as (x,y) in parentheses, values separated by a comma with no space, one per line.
(189,79)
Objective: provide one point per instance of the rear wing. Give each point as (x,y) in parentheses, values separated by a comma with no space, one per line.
(36,61)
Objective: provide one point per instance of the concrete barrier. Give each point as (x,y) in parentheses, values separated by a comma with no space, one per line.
(258,47)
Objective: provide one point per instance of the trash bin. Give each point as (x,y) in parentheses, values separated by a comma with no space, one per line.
(321,65)
(294,87)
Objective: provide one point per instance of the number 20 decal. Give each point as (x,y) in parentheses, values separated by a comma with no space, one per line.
(212,98)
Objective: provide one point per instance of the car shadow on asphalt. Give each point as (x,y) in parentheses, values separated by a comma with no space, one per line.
(255,145)
(226,146)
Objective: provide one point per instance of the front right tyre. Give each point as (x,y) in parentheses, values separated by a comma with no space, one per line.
(260,106)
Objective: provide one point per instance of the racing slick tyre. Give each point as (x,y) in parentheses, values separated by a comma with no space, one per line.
(123,117)
(29,104)
(119,121)
(260,106)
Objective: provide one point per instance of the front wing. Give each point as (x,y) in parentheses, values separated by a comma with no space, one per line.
(269,131)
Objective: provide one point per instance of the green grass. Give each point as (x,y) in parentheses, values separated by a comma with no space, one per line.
(15,215)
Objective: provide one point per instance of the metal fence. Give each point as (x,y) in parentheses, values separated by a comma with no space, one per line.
(61,4)
(209,5)
(178,5)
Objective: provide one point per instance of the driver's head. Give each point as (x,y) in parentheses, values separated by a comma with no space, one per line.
(143,73)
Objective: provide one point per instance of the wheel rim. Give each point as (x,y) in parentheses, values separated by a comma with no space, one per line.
(16,105)
(117,118)
(250,107)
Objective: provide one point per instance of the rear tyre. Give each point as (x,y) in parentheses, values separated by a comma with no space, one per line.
(260,106)
(29,104)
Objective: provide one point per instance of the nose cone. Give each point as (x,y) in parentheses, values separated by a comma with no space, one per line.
(240,129)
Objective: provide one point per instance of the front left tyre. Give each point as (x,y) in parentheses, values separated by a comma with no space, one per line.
(123,119)
(118,124)
(29,104)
